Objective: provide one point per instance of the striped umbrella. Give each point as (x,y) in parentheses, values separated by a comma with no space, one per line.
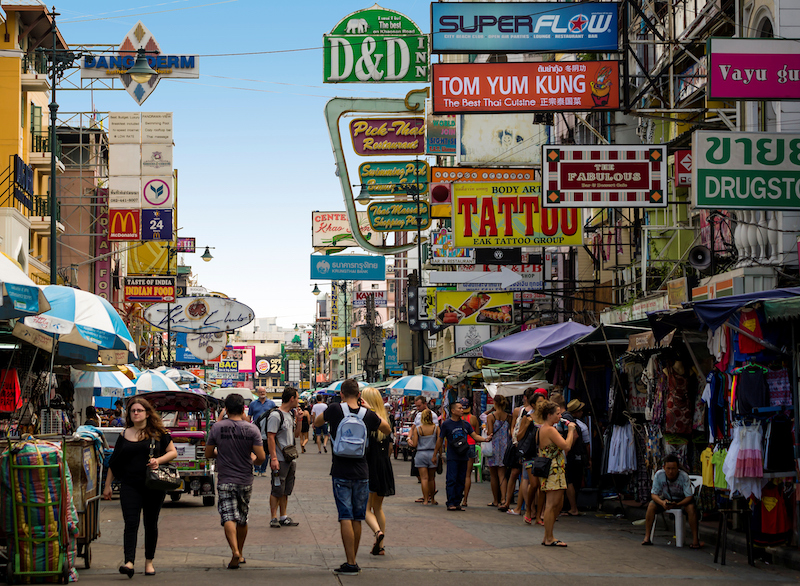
(337,386)
(103,383)
(21,296)
(419,384)
(152,380)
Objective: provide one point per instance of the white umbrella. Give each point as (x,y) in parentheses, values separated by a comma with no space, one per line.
(418,384)
(103,383)
(337,385)
(152,380)
(20,295)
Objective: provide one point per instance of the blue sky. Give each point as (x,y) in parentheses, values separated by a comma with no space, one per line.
(251,144)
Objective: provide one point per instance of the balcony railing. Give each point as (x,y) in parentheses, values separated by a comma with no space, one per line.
(34,62)
(40,143)
(41,206)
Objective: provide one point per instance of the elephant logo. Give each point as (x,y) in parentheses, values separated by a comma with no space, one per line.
(357,26)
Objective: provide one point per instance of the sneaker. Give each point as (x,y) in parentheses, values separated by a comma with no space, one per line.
(275,524)
(348,570)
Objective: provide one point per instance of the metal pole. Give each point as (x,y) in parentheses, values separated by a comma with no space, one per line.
(51,200)
(346,330)
(421,342)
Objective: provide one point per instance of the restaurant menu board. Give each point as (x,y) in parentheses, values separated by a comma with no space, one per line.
(465,308)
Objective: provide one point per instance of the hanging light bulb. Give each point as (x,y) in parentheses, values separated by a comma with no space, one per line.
(141,72)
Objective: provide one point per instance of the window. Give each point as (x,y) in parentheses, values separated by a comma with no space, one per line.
(391,286)
(36,118)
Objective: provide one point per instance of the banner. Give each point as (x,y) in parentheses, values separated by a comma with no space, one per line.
(464,308)
(753,69)
(348,268)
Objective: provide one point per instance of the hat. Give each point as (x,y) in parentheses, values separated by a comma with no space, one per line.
(575,405)
(540,391)
(465,402)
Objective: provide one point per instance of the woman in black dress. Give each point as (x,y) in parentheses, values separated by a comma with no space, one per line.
(381,475)
(129,464)
(305,413)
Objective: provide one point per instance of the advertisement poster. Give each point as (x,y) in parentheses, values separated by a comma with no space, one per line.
(440,133)
(753,69)
(478,308)
(510,214)
(149,289)
(495,139)
(388,136)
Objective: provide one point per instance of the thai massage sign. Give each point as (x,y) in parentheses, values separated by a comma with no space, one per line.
(375,45)
(398,216)
(495,88)
(746,170)
(488,215)
(393,177)
(754,69)
(388,136)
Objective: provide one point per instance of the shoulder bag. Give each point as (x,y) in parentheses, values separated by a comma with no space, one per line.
(290,451)
(541,464)
(165,477)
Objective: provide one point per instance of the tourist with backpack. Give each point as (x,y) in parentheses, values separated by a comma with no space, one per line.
(456,431)
(283,426)
(350,425)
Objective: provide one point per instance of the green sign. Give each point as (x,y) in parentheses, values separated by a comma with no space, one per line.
(394,177)
(376,45)
(398,216)
(746,170)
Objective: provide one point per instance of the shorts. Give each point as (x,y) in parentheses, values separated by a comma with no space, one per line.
(233,502)
(472,452)
(286,474)
(322,430)
(422,459)
(660,509)
(575,473)
(351,498)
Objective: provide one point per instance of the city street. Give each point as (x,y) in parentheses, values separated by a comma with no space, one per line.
(477,546)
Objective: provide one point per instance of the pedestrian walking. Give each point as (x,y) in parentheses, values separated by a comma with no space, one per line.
(456,431)
(321,433)
(259,407)
(498,426)
(513,462)
(350,424)
(473,450)
(381,475)
(420,405)
(305,424)
(143,445)
(283,426)
(237,446)
(423,438)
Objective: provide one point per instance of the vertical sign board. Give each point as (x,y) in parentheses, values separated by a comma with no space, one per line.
(746,170)
(440,134)
(683,168)
(102,266)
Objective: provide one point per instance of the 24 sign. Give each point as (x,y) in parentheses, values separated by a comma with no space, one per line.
(156,224)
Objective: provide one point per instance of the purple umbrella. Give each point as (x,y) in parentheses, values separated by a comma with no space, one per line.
(546,340)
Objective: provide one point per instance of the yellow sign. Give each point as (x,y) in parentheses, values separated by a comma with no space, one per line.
(510,214)
(337,342)
(465,308)
(151,258)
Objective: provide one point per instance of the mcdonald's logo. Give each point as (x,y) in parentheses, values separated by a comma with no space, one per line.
(124,224)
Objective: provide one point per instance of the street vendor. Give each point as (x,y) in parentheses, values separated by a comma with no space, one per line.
(672,489)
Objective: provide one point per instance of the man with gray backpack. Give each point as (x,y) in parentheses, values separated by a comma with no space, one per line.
(350,423)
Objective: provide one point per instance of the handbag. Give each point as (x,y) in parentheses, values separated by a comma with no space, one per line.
(165,477)
(289,453)
(511,457)
(541,464)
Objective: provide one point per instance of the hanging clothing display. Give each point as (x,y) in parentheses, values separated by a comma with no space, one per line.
(622,450)
(708,467)
(678,417)
(778,439)
(779,388)
(718,459)
(743,465)
(749,322)
(750,389)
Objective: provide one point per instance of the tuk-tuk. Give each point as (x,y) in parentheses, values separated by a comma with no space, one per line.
(187,416)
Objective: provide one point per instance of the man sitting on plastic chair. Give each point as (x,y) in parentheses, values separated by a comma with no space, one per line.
(672,489)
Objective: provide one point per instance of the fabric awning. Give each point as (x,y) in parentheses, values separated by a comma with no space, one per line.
(715,312)
(614,334)
(513,388)
(782,308)
(545,340)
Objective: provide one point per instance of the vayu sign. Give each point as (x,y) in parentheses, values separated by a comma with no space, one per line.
(505,277)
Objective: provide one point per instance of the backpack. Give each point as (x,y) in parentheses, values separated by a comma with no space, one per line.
(261,421)
(351,436)
(527,447)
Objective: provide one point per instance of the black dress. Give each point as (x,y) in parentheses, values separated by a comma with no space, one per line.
(381,475)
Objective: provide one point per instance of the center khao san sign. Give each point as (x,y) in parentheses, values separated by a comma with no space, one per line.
(376,45)
(388,136)
(398,216)
(392,177)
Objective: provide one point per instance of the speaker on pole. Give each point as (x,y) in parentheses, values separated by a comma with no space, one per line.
(700,257)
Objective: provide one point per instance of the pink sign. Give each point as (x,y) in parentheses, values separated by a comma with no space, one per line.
(102,266)
(754,69)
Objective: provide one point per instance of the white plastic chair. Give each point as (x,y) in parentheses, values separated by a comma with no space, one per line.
(677,514)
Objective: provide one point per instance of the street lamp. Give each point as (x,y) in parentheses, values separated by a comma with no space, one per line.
(315,291)
(141,72)
(206,256)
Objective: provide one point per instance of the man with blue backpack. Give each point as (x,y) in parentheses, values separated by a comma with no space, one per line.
(350,423)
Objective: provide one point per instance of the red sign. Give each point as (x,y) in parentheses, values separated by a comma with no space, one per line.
(124,224)
(10,398)
(683,168)
(388,136)
(591,175)
(495,88)
(102,266)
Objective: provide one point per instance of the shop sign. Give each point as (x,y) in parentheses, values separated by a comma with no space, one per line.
(746,170)
(331,230)
(10,394)
(245,356)
(228,366)
(157,224)
(394,177)
(348,268)
(422,310)
(677,292)
(375,45)
(157,192)
(388,136)
(156,160)
(206,346)
(491,215)
(470,336)
(183,353)
(531,278)
(149,289)
(117,64)
(484,174)
(480,307)
(102,266)
(124,191)
(754,69)
(262,366)
(638,310)
(440,134)
(360,298)
(489,139)
(683,168)
(338,342)
(390,362)
(398,216)
(33,336)
(199,315)
(524,27)
(186,244)
(445,252)
(622,176)
(495,88)
(23,182)
(124,224)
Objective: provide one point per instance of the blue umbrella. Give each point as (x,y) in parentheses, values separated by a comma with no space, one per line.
(337,386)
(104,383)
(153,381)
(21,296)
(418,384)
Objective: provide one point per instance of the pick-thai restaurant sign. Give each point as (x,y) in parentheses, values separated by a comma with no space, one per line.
(149,289)
(388,136)
(746,170)
(393,177)
(376,45)
(495,88)
(199,315)
(753,69)
(604,176)
(523,27)
(332,230)
(398,216)
(490,215)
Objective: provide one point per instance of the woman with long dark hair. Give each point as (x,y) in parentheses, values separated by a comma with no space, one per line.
(129,464)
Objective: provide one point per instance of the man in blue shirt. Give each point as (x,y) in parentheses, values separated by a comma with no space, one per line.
(256,408)
(672,489)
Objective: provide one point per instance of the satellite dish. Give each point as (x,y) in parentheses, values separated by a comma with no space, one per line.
(700,257)
(206,346)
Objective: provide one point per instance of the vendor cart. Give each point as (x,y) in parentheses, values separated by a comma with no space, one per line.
(85,459)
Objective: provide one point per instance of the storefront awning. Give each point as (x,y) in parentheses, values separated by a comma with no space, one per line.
(716,312)
(615,334)
(545,340)
(782,308)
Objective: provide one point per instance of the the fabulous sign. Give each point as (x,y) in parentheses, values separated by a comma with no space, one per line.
(398,216)
(199,315)
(754,69)
(746,170)
(376,45)
(393,177)
(388,136)
(117,65)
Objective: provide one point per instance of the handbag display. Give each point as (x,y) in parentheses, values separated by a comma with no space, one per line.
(165,477)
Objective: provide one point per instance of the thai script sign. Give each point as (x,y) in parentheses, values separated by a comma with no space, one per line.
(464,308)
(375,45)
(746,170)
(489,215)
(149,289)
(440,134)
(604,176)
(348,268)
(525,87)
(398,216)
(199,315)
(388,136)
(754,69)
(331,230)
(393,177)
(523,27)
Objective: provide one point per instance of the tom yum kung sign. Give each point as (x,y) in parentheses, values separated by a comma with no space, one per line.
(388,136)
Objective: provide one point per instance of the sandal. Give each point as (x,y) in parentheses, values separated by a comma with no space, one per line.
(376,548)
(420,500)
(529,521)
(556,543)
(540,522)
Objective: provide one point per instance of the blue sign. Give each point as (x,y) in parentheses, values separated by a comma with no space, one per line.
(524,27)
(156,224)
(348,268)
(182,353)
(390,363)
(23,297)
